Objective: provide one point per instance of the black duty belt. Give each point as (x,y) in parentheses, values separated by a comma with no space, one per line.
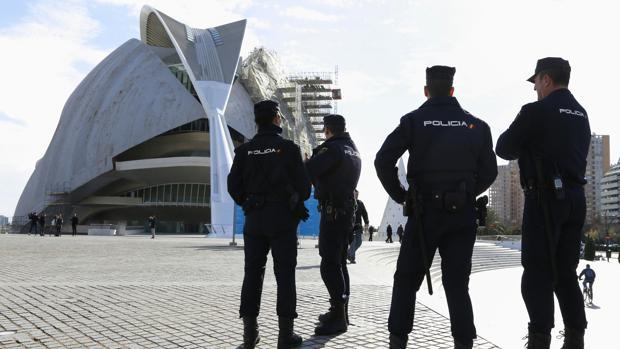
(531,185)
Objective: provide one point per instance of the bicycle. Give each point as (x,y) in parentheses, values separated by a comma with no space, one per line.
(587,293)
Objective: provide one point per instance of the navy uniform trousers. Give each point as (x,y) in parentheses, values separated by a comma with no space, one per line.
(283,246)
(333,247)
(454,235)
(536,284)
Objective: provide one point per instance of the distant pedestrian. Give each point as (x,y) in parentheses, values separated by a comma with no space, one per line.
(400,231)
(152,224)
(59,222)
(358,229)
(608,253)
(52,225)
(371,231)
(388,231)
(34,220)
(42,223)
(74,223)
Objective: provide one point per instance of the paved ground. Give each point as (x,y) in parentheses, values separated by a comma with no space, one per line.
(174,292)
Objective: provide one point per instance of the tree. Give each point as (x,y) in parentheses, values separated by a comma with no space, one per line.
(589,250)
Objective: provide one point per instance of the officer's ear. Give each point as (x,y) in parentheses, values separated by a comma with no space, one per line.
(451,91)
(426,91)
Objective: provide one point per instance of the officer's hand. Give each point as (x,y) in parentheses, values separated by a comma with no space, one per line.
(365,227)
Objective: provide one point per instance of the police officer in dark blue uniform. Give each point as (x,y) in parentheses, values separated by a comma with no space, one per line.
(451,161)
(269,181)
(335,169)
(551,138)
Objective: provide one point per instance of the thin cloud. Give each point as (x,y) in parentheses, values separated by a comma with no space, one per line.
(303,13)
(4,117)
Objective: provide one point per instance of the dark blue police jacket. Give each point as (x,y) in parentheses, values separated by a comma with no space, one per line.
(334,169)
(557,130)
(269,167)
(447,146)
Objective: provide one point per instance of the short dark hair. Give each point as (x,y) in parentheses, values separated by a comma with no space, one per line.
(265,118)
(439,88)
(265,112)
(335,129)
(558,75)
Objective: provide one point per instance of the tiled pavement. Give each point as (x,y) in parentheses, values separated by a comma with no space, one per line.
(174,292)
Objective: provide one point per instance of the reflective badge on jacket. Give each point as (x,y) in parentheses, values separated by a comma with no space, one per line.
(263,151)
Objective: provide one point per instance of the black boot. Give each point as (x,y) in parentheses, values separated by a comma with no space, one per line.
(326,316)
(398,342)
(287,338)
(336,323)
(460,345)
(250,333)
(573,339)
(329,314)
(538,340)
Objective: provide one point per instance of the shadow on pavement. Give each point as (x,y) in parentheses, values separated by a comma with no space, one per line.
(215,248)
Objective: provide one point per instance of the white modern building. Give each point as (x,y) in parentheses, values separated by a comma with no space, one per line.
(152,130)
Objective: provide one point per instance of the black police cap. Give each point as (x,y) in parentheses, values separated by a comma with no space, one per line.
(334,119)
(440,72)
(550,63)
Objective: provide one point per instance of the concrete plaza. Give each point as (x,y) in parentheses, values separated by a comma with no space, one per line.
(179,292)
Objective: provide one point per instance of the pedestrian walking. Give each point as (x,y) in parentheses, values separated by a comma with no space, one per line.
(152,224)
(42,223)
(59,222)
(388,232)
(358,229)
(74,223)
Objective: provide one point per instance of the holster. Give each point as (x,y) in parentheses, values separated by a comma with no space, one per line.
(253,202)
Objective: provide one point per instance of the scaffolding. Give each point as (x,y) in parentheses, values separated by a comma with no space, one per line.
(311,96)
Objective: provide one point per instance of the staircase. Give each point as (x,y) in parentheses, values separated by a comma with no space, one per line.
(486,256)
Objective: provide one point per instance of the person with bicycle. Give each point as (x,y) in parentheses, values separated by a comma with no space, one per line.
(588,275)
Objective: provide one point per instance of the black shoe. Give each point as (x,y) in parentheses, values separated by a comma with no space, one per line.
(287,338)
(335,324)
(398,342)
(538,340)
(573,339)
(250,333)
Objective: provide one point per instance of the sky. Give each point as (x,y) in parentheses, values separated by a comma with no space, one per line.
(381,49)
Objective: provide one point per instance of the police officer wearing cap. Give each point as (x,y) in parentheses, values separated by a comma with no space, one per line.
(334,169)
(269,181)
(550,138)
(451,161)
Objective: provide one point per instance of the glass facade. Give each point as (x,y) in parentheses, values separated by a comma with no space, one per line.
(174,194)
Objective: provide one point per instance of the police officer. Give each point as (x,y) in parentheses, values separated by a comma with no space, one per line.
(269,181)
(451,161)
(334,169)
(551,135)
